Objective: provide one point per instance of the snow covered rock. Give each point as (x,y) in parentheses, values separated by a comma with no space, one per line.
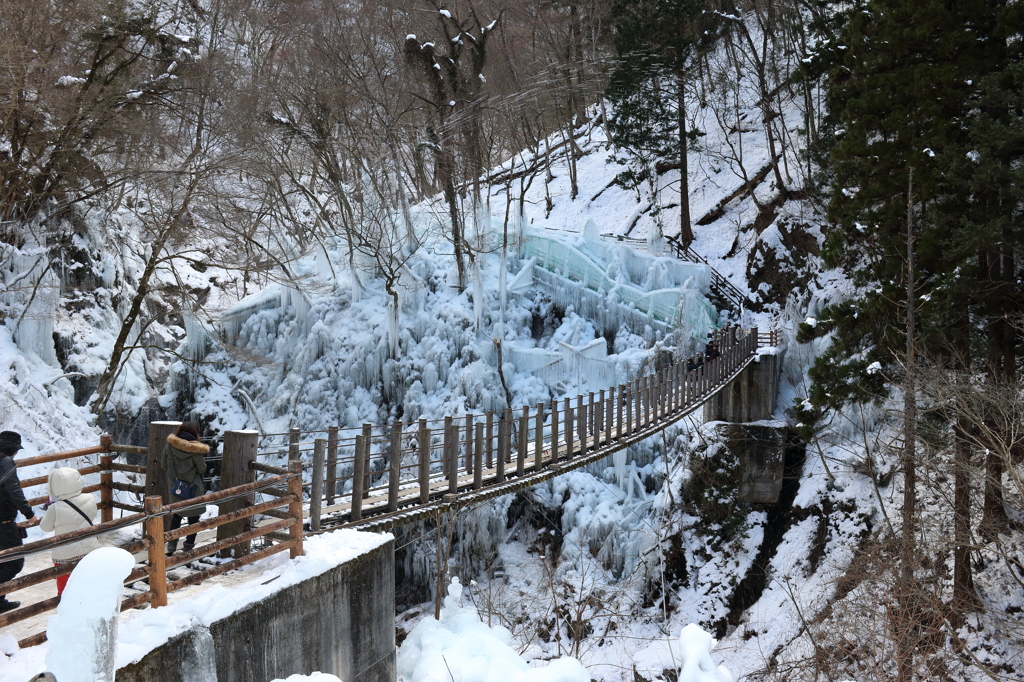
(689,657)
(461,647)
(312,677)
(83,634)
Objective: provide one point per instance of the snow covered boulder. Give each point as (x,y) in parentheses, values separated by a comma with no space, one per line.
(312,677)
(689,657)
(461,647)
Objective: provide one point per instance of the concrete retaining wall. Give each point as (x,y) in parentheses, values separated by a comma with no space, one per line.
(750,397)
(340,622)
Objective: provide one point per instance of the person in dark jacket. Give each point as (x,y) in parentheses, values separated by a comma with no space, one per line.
(691,366)
(184,461)
(12,501)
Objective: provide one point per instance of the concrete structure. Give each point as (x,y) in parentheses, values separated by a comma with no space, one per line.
(761,451)
(750,397)
(340,622)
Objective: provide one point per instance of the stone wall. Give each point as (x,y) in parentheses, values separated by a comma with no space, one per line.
(340,622)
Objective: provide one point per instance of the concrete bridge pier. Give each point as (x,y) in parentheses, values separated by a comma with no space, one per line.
(750,397)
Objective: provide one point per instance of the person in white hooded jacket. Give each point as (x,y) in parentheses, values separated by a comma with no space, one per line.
(71,510)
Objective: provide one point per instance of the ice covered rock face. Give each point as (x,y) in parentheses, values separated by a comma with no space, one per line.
(461,647)
(83,634)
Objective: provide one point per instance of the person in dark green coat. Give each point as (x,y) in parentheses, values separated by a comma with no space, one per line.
(184,461)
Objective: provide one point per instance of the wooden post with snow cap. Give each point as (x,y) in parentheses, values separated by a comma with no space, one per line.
(423,445)
(601,421)
(332,464)
(554,433)
(591,431)
(154,528)
(538,438)
(619,406)
(395,469)
(237,457)
(295,508)
(356,513)
(524,441)
(316,488)
(478,457)
(156,477)
(106,480)
(293,444)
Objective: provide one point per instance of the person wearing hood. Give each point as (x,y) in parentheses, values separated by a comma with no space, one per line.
(184,461)
(12,501)
(70,509)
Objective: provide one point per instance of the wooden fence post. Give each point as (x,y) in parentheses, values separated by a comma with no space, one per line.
(316,488)
(237,457)
(395,472)
(358,467)
(600,419)
(538,438)
(591,431)
(570,428)
(629,409)
(554,433)
(293,444)
(524,441)
(295,508)
(489,439)
(637,396)
(332,464)
(367,464)
(503,429)
(453,453)
(619,395)
(423,444)
(155,551)
(106,481)
(156,477)
(478,458)
(468,456)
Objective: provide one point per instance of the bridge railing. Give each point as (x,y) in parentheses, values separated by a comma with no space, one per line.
(381,468)
(285,491)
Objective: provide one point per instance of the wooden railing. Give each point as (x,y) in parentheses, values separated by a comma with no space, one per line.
(381,469)
(284,490)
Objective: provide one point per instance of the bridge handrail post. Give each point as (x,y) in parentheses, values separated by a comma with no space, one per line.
(600,428)
(524,441)
(619,406)
(628,400)
(478,457)
(489,439)
(609,414)
(582,422)
(635,423)
(592,420)
(395,473)
(331,481)
(570,427)
(316,489)
(295,508)
(106,480)
(293,443)
(499,472)
(358,467)
(155,552)
(538,438)
(554,432)
(467,457)
(367,460)
(423,446)
(451,453)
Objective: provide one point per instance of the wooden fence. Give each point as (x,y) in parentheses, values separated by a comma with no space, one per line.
(285,491)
